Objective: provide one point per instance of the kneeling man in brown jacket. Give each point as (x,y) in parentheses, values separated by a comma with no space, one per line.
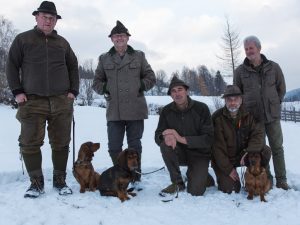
(236,133)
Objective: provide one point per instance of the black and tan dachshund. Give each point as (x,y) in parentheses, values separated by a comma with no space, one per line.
(115,180)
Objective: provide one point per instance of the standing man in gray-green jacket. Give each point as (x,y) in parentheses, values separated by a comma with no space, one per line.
(185,136)
(263,86)
(42,72)
(122,76)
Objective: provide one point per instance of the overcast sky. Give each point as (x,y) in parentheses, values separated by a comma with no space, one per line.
(174,33)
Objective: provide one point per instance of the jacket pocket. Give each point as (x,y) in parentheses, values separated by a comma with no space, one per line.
(275,107)
(108,66)
(247,81)
(134,65)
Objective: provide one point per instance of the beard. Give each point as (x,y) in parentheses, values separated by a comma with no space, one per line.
(233,109)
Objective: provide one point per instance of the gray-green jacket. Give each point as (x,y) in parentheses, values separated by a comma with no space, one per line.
(123,82)
(263,91)
(42,65)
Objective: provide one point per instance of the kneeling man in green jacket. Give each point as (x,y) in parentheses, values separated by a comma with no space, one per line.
(185,136)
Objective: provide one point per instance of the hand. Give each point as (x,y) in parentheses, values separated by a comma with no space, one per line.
(71,95)
(242,162)
(21,98)
(234,175)
(170,140)
(176,135)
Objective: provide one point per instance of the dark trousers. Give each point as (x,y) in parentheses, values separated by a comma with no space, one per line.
(57,112)
(197,167)
(275,138)
(225,183)
(116,131)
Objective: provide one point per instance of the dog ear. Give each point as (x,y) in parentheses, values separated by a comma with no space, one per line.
(82,151)
(122,158)
(95,146)
(265,155)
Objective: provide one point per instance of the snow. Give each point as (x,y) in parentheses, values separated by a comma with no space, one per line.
(214,208)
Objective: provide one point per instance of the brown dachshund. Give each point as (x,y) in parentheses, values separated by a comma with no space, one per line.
(83,169)
(115,180)
(256,179)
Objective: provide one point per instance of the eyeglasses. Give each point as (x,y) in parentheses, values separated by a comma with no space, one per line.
(119,36)
(50,18)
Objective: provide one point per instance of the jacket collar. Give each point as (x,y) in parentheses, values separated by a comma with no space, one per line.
(38,31)
(190,105)
(129,50)
(264,60)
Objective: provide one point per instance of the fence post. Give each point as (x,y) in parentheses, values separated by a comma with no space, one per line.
(284,114)
(294,111)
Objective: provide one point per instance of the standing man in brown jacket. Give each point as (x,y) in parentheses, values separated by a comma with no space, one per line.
(185,135)
(236,134)
(263,86)
(122,76)
(42,72)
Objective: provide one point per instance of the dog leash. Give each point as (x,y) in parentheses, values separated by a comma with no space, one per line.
(73,123)
(149,172)
(243,176)
(21,158)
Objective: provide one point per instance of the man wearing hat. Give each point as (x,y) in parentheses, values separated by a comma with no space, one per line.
(236,133)
(122,76)
(185,136)
(42,72)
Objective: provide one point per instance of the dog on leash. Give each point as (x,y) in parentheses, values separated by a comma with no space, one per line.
(115,180)
(256,179)
(83,169)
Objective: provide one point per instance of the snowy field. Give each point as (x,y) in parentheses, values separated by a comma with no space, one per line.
(214,208)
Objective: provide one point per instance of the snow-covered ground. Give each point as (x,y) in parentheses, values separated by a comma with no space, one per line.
(214,208)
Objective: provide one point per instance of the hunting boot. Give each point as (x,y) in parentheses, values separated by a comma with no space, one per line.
(36,187)
(174,188)
(283,185)
(59,183)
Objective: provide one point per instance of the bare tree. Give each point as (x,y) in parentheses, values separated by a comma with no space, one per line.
(86,82)
(7,34)
(231,48)
(161,83)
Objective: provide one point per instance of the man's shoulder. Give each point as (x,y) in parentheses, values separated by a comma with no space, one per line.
(272,63)
(198,104)
(218,113)
(167,107)
(25,33)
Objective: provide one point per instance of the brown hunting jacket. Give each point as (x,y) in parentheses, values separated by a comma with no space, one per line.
(263,89)
(233,138)
(123,82)
(42,65)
